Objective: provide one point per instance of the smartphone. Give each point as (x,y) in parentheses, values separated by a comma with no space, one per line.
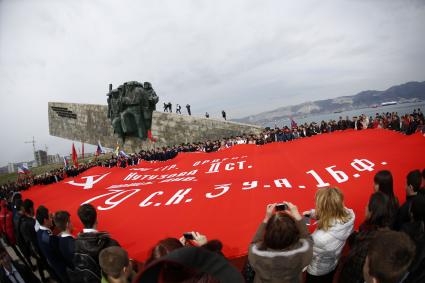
(307,219)
(281,207)
(188,236)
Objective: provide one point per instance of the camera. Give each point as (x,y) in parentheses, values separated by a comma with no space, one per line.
(307,219)
(188,236)
(281,207)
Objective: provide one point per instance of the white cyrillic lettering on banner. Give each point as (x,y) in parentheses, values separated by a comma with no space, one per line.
(110,201)
(249,185)
(214,168)
(223,188)
(177,198)
(320,183)
(147,201)
(362,165)
(280,182)
(339,176)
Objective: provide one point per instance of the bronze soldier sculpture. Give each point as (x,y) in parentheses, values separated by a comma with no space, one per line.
(114,110)
(130,108)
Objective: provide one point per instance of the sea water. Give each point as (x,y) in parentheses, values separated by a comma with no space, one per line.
(401,109)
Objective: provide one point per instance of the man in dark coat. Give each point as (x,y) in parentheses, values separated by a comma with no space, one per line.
(48,244)
(14,272)
(88,245)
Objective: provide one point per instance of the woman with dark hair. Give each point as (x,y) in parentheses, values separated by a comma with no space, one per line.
(377,213)
(383,182)
(282,246)
(377,219)
(163,248)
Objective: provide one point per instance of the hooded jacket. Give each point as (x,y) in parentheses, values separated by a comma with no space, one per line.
(281,265)
(328,246)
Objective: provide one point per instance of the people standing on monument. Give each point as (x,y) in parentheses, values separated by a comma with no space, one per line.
(188,109)
(165,107)
(207,115)
(170,107)
(178,109)
(223,113)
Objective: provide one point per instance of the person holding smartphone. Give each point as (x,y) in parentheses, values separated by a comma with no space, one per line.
(282,246)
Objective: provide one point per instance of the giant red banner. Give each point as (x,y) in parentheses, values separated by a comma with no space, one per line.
(223,194)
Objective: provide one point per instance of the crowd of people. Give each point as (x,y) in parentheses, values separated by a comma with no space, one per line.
(388,247)
(407,124)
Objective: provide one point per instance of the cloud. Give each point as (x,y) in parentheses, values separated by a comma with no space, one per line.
(241,56)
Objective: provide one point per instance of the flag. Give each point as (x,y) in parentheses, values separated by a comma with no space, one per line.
(117,150)
(74,156)
(82,150)
(122,153)
(65,162)
(150,137)
(23,169)
(99,149)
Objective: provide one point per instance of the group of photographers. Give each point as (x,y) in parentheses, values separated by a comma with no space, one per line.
(388,247)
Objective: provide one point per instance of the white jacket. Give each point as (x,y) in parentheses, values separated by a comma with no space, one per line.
(328,246)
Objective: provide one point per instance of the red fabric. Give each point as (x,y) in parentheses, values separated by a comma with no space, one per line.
(74,156)
(234,216)
(6,223)
(150,137)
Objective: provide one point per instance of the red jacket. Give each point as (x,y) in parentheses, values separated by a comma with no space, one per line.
(6,223)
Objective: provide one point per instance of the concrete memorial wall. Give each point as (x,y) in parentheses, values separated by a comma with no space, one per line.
(88,123)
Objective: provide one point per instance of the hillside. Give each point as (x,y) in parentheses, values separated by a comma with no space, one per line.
(408,92)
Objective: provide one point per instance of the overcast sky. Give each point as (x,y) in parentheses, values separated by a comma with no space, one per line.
(242,56)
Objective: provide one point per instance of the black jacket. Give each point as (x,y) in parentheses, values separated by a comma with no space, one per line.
(86,256)
(22,270)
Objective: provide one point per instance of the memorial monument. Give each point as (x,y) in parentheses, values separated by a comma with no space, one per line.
(130,121)
(130,108)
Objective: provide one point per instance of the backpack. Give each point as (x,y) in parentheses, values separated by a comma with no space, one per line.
(86,256)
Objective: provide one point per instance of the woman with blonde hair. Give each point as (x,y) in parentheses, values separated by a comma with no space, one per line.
(334,225)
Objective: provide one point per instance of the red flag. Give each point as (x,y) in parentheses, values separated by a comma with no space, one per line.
(225,191)
(150,137)
(82,150)
(74,156)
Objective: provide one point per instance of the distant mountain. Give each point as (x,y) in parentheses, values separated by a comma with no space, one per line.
(408,92)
